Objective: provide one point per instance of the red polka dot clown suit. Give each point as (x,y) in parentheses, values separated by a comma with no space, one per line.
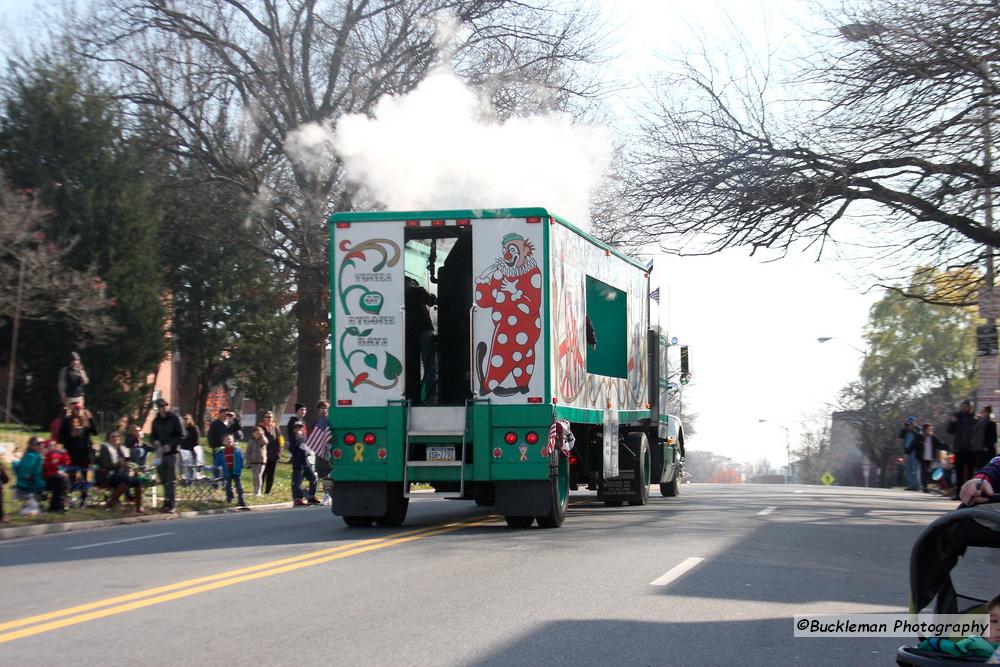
(512,288)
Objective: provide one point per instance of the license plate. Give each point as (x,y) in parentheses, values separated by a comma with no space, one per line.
(446,454)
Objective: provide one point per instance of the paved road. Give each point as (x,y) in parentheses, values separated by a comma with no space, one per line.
(456,587)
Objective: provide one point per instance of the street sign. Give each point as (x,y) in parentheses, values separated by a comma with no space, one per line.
(986,340)
(827,478)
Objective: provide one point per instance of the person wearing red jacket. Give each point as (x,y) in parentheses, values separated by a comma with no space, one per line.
(56,458)
(983,485)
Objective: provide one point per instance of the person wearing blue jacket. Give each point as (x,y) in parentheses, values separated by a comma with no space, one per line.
(229,459)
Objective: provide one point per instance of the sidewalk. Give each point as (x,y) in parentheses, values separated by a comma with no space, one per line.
(71,526)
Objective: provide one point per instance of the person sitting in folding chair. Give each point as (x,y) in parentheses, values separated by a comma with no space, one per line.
(113,472)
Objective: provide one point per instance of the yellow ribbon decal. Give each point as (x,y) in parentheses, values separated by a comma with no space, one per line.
(359,452)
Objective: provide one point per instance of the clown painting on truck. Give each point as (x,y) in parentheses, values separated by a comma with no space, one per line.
(543,372)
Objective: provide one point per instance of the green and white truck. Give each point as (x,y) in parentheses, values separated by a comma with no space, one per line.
(548,372)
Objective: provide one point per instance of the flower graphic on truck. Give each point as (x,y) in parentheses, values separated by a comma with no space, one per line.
(512,288)
(365,365)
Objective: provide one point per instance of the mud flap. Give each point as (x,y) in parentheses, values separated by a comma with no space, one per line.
(360,498)
(532,498)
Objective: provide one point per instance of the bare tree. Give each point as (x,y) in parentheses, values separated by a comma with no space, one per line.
(883,143)
(37,283)
(244,87)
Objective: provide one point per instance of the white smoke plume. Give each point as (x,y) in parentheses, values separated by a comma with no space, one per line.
(311,145)
(436,148)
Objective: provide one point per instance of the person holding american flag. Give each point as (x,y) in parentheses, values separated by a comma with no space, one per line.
(318,443)
(300,461)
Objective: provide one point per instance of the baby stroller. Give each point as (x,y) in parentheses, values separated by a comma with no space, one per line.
(934,555)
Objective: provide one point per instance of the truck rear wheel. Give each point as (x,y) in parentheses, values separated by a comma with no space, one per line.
(519,521)
(358,521)
(670,489)
(560,495)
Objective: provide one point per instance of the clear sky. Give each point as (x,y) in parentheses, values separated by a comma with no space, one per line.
(752,326)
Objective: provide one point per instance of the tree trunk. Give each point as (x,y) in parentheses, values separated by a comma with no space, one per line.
(312,319)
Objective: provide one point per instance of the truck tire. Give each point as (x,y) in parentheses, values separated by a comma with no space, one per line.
(637,442)
(519,521)
(358,521)
(396,514)
(560,495)
(670,489)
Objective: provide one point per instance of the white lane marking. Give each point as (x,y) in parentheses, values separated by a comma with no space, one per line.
(767,510)
(676,572)
(799,491)
(130,539)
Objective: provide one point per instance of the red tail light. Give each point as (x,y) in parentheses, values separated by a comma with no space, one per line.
(532,437)
(349,439)
(510,438)
(369,438)
(572,460)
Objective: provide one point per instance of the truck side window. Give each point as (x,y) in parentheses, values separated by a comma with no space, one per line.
(607,329)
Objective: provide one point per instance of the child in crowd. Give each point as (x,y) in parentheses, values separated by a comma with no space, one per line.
(229,459)
(54,463)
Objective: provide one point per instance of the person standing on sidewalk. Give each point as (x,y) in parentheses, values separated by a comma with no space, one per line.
(217,430)
(910,435)
(300,466)
(960,427)
(168,432)
(229,459)
(272,435)
(189,445)
(928,448)
(984,437)
(257,458)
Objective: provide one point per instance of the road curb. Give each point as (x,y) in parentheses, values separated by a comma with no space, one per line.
(73,526)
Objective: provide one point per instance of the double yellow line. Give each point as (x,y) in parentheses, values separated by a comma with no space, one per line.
(34,625)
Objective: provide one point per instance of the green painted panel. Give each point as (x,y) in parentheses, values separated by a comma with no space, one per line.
(591,416)
(607,311)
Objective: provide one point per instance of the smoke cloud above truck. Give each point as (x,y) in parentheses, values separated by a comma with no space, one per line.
(441,147)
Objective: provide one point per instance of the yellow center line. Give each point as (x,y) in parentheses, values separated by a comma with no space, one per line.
(212,582)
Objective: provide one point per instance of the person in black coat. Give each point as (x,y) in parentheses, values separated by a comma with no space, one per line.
(217,430)
(235,427)
(984,437)
(273,437)
(168,433)
(960,427)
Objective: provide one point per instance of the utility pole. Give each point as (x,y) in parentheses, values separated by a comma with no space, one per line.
(12,371)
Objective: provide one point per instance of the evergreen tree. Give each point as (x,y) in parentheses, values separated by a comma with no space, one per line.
(62,138)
